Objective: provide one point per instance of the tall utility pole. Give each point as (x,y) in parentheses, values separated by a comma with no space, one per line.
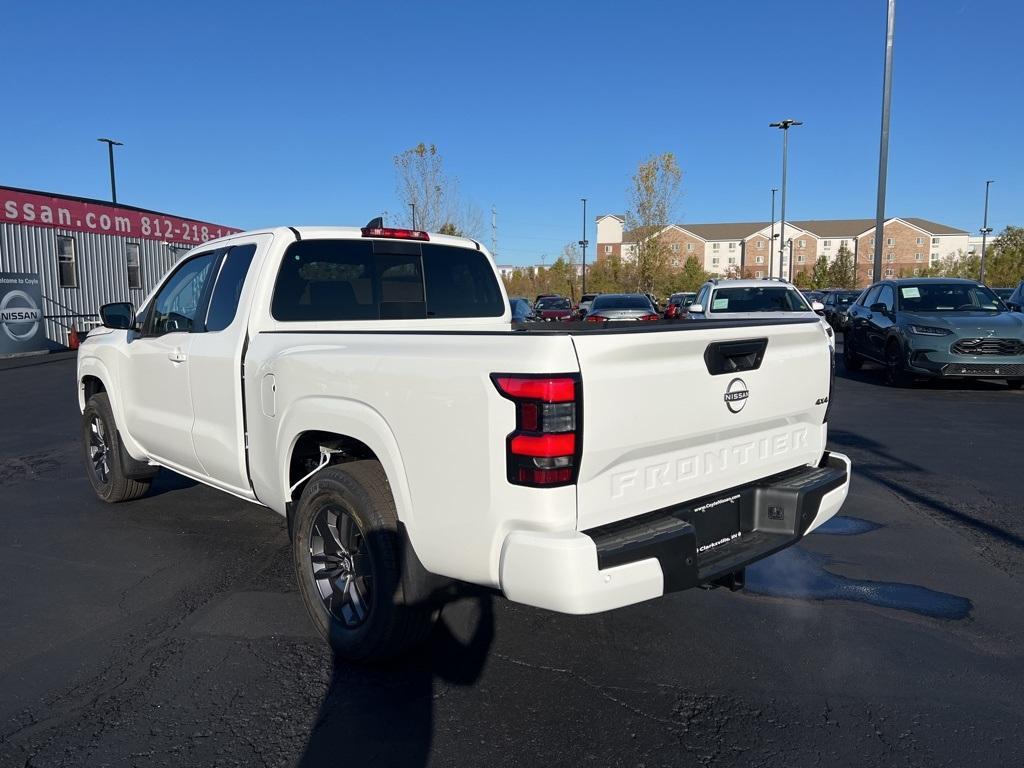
(583,244)
(494,232)
(883,142)
(985,230)
(784,126)
(110,155)
(413,206)
(771,243)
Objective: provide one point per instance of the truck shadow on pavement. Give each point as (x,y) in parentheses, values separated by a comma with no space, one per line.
(878,464)
(384,715)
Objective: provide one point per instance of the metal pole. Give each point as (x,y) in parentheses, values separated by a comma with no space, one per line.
(790,259)
(583,243)
(413,206)
(771,243)
(782,213)
(883,149)
(110,156)
(984,233)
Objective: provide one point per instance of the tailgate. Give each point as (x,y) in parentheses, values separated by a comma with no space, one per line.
(660,428)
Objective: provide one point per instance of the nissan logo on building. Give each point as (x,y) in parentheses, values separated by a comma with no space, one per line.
(19,316)
(736,395)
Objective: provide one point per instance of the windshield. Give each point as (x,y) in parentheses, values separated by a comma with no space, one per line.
(553,303)
(587,297)
(758,299)
(845,299)
(948,297)
(621,302)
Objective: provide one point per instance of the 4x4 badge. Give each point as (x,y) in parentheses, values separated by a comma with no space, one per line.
(736,395)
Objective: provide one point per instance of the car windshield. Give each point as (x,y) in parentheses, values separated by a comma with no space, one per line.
(758,299)
(553,303)
(621,302)
(948,297)
(587,297)
(845,299)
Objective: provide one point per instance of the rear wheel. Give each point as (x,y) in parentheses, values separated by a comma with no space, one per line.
(851,359)
(105,458)
(896,374)
(347,559)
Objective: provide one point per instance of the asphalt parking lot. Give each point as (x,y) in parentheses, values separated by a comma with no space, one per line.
(167,631)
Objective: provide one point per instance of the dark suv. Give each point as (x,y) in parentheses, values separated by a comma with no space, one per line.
(935,327)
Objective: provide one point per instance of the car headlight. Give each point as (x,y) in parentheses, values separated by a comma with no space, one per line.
(928,330)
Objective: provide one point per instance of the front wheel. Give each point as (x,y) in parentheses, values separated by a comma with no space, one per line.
(105,458)
(851,359)
(348,560)
(896,374)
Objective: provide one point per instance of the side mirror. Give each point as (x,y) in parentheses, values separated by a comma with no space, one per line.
(695,309)
(879,308)
(818,307)
(119,315)
(1014,307)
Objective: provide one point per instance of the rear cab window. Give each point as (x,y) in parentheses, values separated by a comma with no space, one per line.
(349,279)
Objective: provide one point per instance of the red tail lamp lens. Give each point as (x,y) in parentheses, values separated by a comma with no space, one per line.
(395,234)
(560,390)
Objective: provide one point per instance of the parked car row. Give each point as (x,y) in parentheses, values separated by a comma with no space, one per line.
(935,328)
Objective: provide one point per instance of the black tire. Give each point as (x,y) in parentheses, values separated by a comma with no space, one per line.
(105,457)
(896,374)
(851,360)
(358,603)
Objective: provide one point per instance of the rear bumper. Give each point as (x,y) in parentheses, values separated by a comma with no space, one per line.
(672,549)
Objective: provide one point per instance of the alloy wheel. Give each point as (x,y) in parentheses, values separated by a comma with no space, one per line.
(342,566)
(99,449)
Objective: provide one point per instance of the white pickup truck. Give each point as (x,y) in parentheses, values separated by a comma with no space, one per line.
(369,385)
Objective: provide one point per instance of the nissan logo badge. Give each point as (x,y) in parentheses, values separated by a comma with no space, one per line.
(736,395)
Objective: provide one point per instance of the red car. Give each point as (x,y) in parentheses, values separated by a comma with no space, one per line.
(553,308)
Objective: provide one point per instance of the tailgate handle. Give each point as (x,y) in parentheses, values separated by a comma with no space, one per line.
(734,356)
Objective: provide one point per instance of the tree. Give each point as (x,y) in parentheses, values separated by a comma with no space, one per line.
(802,279)
(820,277)
(842,272)
(653,196)
(1004,259)
(423,182)
(693,275)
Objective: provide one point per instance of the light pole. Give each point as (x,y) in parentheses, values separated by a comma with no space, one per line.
(771,242)
(583,244)
(784,126)
(883,143)
(790,244)
(110,154)
(413,206)
(985,230)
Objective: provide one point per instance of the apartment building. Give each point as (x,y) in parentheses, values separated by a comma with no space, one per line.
(753,248)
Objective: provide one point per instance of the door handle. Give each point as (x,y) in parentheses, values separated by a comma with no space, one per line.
(177,356)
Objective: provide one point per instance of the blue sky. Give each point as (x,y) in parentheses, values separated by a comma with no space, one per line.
(256,114)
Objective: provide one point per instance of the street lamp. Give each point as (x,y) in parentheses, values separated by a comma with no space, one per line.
(771,243)
(784,126)
(583,244)
(985,230)
(111,143)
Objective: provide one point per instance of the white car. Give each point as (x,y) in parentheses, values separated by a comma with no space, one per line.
(368,385)
(752,299)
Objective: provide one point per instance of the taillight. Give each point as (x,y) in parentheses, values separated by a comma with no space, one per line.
(594,319)
(395,234)
(651,316)
(544,449)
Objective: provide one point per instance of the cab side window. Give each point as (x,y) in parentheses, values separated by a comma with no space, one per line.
(181,299)
(224,301)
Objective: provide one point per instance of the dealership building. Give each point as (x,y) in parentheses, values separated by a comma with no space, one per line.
(61,257)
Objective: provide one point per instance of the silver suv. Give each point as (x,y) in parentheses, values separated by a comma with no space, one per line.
(752,299)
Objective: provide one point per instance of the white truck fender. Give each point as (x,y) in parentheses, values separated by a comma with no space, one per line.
(353,419)
(95,367)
